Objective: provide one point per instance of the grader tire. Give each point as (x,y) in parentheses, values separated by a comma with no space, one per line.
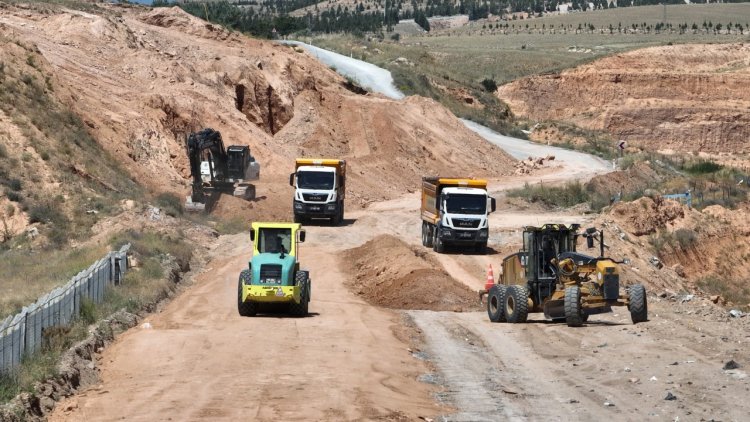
(496,303)
(638,303)
(573,314)
(245,309)
(516,304)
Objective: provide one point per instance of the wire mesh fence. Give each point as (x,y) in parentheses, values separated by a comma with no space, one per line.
(22,333)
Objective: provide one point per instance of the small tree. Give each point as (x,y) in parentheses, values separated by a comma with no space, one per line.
(489,85)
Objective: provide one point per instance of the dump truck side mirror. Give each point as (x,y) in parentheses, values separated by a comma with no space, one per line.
(291,180)
(493,205)
(252,235)
(301,236)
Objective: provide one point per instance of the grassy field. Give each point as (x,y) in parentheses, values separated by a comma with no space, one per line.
(441,63)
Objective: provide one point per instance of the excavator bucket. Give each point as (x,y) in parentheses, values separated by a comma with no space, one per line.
(191,206)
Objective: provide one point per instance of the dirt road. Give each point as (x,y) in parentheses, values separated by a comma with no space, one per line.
(201,360)
(350,360)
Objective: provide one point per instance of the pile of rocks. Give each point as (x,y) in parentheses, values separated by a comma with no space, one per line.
(530,164)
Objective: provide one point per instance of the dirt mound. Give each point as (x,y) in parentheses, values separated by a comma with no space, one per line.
(638,177)
(681,98)
(645,215)
(387,272)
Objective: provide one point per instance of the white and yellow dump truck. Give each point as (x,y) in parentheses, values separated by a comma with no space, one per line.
(319,189)
(455,211)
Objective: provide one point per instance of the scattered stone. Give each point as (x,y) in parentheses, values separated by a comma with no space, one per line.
(634,380)
(736,313)
(731,365)
(154,214)
(572,401)
(653,378)
(147,326)
(679,270)
(32,232)
(656,262)
(609,404)
(674,363)
(670,396)
(627,369)
(687,298)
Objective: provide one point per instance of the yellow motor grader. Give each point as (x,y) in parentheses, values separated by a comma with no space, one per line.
(548,275)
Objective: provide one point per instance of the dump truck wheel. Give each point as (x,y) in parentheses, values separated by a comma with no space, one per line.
(496,303)
(428,235)
(516,303)
(245,308)
(638,303)
(437,244)
(573,314)
(481,248)
(301,309)
(424,234)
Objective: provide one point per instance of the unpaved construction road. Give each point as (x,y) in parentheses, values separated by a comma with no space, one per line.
(198,360)
(352,361)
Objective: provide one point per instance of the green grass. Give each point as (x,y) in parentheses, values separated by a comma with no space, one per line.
(25,275)
(140,289)
(568,195)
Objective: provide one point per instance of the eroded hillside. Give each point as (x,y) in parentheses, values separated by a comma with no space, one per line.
(680,98)
(142,79)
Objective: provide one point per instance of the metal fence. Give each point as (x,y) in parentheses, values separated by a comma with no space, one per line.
(22,333)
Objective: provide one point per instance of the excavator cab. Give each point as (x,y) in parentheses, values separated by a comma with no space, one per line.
(217,170)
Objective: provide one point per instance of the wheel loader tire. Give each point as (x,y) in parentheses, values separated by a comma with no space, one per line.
(573,314)
(496,303)
(516,304)
(301,309)
(245,308)
(638,303)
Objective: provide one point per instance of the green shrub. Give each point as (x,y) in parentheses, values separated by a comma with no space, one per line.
(685,237)
(45,213)
(489,85)
(572,193)
(14,196)
(703,167)
(170,203)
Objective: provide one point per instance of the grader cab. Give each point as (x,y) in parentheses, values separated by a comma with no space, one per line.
(549,275)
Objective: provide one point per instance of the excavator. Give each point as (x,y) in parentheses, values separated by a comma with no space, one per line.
(216,170)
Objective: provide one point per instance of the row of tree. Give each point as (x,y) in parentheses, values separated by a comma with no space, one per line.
(262,17)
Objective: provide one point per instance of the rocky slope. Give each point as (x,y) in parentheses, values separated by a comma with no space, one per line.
(681,97)
(142,79)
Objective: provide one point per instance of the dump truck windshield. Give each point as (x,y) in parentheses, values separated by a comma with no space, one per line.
(271,240)
(466,204)
(315,180)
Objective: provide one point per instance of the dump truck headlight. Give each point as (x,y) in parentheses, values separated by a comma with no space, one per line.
(297,205)
(331,207)
(484,234)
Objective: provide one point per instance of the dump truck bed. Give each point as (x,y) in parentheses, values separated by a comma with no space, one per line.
(340,165)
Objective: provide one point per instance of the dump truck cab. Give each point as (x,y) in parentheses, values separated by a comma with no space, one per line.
(319,189)
(273,274)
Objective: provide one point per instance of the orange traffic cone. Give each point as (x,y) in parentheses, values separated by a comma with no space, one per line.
(490,278)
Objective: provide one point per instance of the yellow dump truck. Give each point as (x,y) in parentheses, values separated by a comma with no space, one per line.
(319,189)
(455,211)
